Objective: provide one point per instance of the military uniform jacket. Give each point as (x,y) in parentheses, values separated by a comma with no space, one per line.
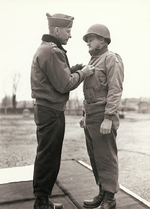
(51,78)
(103,89)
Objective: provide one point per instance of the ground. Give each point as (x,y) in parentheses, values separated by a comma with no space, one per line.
(18,147)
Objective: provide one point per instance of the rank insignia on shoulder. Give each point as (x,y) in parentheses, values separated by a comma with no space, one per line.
(53,45)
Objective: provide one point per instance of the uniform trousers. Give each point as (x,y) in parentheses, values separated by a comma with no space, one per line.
(102,151)
(50,134)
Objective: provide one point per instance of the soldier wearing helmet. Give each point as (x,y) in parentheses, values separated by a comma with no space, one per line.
(102,92)
(99,30)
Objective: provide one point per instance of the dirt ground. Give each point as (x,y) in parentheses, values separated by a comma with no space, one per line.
(18,147)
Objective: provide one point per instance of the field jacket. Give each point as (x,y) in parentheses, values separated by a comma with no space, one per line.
(103,89)
(51,77)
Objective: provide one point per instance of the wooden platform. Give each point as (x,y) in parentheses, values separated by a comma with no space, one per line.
(75,183)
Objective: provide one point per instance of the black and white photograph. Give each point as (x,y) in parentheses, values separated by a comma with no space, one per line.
(75,104)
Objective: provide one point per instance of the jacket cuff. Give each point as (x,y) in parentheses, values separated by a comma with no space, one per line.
(82,75)
(110,117)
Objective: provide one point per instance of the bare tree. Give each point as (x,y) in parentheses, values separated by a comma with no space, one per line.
(16,79)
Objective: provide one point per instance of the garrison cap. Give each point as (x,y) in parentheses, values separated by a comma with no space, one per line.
(60,20)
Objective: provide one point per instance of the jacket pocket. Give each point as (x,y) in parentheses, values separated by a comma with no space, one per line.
(90,96)
(101,77)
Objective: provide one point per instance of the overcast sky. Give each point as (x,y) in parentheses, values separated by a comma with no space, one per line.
(23,22)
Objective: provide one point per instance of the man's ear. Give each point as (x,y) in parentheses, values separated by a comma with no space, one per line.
(102,39)
(56,30)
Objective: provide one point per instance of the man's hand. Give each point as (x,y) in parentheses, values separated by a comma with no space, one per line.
(105,127)
(79,66)
(76,67)
(88,70)
(82,122)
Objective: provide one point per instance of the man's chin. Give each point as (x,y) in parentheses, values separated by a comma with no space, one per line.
(64,43)
(91,50)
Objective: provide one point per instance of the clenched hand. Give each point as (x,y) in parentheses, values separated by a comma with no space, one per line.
(105,127)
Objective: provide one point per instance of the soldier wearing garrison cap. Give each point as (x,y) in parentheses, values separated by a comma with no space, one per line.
(102,92)
(52,79)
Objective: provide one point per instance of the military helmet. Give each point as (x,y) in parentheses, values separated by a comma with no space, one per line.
(100,30)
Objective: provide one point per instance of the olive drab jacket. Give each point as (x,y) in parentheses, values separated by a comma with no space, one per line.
(103,89)
(51,76)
